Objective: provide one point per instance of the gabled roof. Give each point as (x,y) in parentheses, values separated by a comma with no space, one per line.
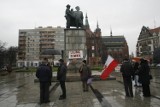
(147,32)
(113,39)
(155,30)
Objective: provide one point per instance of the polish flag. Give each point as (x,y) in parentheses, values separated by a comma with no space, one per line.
(110,64)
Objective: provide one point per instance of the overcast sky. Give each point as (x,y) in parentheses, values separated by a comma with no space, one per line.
(125,17)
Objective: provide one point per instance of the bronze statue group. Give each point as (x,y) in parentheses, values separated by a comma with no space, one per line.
(140,72)
(74,18)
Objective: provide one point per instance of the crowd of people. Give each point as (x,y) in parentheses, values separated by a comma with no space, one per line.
(140,73)
(44,74)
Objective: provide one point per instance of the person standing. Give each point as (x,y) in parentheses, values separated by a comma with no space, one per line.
(144,71)
(85,74)
(61,77)
(50,67)
(136,72)
(9,68)
(44,74)
(127,73)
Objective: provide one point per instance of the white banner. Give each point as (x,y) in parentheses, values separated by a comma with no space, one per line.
(75,54)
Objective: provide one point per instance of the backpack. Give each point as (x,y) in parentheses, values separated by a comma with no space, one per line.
(86,73)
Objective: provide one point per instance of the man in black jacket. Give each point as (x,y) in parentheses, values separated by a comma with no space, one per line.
(61,77)
(144,72)
(44,74)
(127,72)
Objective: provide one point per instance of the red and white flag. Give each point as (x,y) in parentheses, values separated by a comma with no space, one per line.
(110,64)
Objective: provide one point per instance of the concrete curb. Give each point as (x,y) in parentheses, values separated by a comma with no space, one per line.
(77,78)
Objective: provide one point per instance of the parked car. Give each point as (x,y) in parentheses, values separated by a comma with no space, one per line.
(4,68)
(153,65)
(158,65)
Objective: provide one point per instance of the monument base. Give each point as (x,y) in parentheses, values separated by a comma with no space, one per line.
(75,48)
(73,77)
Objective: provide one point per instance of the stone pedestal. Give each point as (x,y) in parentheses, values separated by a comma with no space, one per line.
(75,40)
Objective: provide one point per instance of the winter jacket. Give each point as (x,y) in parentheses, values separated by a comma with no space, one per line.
(85,72)
(61,73)
(44,74)
(127,69)
(144,73)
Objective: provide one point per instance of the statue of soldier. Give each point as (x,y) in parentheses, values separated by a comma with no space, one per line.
(74,18)
(68,16)
(78,17)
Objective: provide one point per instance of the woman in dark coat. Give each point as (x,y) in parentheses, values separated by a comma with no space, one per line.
(144,77)
(85,74)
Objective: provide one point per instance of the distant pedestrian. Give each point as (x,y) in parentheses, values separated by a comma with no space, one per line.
(61,77)
(127,73)
(144,72)
(9,68)
(44,74)
(85,74)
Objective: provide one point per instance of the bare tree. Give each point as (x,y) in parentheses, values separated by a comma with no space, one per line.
(11,55)
(2,53)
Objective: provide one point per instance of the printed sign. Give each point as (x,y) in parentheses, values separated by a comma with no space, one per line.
(117,68)
(75,54)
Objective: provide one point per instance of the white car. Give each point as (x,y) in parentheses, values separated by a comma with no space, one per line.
(4,68)
(158,65)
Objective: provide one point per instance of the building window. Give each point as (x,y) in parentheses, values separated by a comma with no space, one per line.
(120,50)
(92,47)
(93,55)
(115,50)
(149,42)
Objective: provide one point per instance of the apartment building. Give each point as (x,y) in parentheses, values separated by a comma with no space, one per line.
(32,42)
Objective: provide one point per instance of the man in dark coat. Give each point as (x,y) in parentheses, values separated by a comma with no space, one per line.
(44,74)
(61,76)
(85,74)
(144,71)
(127,73)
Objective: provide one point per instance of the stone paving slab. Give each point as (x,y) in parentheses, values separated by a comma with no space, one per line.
(113,92)
(21,91)
(75,97)
(72,77)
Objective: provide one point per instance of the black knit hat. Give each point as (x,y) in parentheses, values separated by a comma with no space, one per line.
(84,61)
(61,60)
(68,5)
